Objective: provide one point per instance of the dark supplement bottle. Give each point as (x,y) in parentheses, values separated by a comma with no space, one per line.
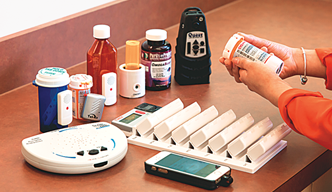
(157,58)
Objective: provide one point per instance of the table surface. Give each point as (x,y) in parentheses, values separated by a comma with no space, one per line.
(293,168)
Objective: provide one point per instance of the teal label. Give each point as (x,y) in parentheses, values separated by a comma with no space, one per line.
(53,71)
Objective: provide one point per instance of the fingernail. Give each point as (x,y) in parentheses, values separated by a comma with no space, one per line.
(235,60)
(240,33)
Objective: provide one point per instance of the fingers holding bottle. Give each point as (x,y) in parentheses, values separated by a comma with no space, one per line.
(231,68)
(238,47)
(285,53)
(260,79)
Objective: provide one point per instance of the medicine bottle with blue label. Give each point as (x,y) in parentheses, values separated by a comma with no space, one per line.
(156,56)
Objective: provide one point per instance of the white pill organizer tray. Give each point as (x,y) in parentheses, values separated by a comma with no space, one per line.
(240,143)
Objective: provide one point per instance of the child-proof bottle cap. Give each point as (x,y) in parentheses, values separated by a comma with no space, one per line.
(230,46)
(132,54)
(52,77)
(101,31)
(80,81)
(156,34)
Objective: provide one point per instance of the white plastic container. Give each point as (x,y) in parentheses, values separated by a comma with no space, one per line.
(209,130)
(167,126)
(185,130)
(268,141)
(132,73)
(249,137)
(132,82)
(80,85)
(237,47)
(157,117)
(218,141)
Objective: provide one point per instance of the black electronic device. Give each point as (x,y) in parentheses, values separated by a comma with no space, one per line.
(147,107)
(189,170)
(192,57)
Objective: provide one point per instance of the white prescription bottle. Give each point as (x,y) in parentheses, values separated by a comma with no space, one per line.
(80,85)
(237,47)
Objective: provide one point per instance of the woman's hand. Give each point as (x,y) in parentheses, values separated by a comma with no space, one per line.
(260,79)
(283,52)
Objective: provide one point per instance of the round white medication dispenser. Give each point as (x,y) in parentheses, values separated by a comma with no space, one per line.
(76,150)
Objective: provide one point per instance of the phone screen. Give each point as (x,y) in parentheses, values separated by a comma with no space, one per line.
(188,165)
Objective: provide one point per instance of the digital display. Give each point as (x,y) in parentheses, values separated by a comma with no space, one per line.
(148,107)
(188,165)
(130,118)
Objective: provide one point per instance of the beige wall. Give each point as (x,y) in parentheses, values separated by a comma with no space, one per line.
(64,42)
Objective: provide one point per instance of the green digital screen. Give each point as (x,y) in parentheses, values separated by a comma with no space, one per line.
(188,165)
(130,118)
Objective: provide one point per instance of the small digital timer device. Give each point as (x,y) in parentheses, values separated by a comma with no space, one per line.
(192,57)
(128,121)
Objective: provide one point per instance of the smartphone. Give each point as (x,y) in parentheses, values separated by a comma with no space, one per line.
(188,170)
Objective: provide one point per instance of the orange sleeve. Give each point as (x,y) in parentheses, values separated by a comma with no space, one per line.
(325,56)
(309,114)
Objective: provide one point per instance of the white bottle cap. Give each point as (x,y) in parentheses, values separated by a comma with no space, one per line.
(230,45)
(80,81)
(52,77)
(101,31)
(156,34)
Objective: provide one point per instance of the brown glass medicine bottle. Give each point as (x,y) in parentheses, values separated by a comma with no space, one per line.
(101,57)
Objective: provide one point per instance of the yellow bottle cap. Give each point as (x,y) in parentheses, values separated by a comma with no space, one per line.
(132,55)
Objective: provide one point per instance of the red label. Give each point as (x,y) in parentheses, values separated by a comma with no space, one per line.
(241,45)
(140,112)
(117,119)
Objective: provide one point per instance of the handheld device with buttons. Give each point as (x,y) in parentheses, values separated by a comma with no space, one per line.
(192,57)
(65,107)
(76,150)
(189,170)
(109,88)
